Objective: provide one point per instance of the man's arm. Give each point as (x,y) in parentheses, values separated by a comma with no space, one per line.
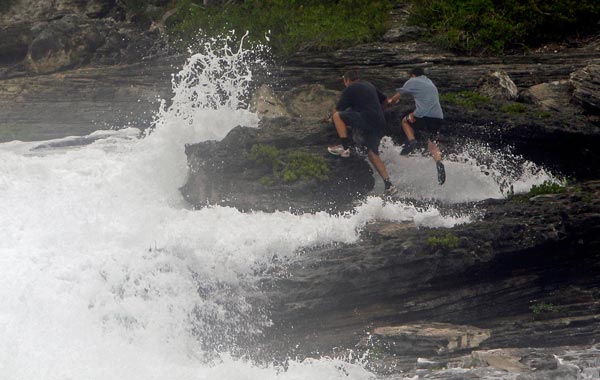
(394,99)
(407,88)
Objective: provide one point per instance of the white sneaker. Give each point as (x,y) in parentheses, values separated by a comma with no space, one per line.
(339,150)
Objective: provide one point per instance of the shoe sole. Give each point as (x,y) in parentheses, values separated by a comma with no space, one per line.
(441,174)
(339,154)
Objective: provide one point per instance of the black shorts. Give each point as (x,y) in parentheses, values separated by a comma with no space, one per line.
(426,128)
(362,132)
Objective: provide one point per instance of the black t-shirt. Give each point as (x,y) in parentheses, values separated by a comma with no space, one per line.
(363,97)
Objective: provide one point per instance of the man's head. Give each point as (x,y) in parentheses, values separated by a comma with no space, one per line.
(417,72)
(351,76)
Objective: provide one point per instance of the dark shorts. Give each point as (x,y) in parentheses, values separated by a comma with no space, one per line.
(426,128)
(362,132)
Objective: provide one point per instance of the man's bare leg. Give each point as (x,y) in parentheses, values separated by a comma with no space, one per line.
(408,130)
(434,150)
(437,157)
(342,131)
(410,135)
(379,165)
(340,126)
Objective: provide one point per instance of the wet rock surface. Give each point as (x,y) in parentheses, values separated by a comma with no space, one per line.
(223,172)
(523,275)
(44,37)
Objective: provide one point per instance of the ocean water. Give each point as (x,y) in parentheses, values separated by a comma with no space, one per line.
(107,274)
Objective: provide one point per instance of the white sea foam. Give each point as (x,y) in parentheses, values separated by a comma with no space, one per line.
(107,275)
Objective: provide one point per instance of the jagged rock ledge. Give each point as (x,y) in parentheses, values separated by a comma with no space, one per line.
(222,172)
(524,275)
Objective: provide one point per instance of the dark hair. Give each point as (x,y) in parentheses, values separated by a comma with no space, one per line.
(351,75)
(417,71)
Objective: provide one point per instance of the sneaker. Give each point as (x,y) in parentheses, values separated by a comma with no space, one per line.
(390,191)
(339,150)
(441,172)
(408,147)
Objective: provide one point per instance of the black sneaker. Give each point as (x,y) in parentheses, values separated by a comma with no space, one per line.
(408,147)
(441,172)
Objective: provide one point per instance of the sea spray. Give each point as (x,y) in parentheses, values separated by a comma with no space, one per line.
(474,172)
(108,275)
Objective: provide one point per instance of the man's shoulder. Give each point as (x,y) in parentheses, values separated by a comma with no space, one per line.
(361,83)
(358,87)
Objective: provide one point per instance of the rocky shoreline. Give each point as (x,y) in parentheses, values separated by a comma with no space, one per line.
(521,277)
(514,295)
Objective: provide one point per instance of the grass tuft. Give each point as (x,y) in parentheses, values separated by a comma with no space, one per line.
(467,99)
(443,241)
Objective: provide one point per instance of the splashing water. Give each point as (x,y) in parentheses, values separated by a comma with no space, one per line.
(107,275)
(475,173)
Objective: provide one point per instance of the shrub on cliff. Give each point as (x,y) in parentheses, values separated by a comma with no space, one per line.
(494,26)
(291,25)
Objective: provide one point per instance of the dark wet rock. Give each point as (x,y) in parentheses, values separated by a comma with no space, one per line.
(586,83)
(45,37)
(63,43)
(522,253)
(222,172)
(388,65)
(14,43)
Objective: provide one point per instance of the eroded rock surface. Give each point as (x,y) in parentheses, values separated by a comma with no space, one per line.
(223,172)
(524,275)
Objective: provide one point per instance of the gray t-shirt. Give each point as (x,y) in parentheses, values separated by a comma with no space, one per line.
(426,96)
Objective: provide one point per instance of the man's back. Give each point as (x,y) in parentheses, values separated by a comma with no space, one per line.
(426,96)
(363,97)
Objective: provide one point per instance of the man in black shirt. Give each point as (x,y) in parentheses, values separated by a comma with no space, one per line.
(360,108)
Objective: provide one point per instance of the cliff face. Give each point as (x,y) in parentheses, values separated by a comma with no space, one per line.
(70,67)
(42,37)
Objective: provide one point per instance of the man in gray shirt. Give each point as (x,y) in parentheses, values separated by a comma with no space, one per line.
(425,121)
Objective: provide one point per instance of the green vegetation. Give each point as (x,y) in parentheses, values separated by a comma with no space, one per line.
(443,241)
(290,25)
(543,114)
(266,155)
(495,26)
(467,99)
(514,108)
(547,187)
(542,307)
(305,166)
(297,165)
(471,26)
